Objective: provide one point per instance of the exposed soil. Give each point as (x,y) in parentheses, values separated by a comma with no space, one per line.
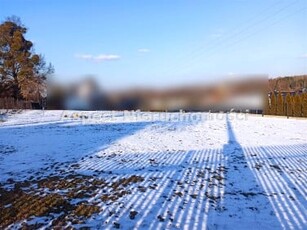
(62,199)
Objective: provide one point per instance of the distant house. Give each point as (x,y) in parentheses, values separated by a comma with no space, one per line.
(85,95)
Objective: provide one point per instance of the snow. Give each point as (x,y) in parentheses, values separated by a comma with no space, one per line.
(199,170)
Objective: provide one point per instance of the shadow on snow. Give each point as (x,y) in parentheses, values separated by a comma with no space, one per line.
(237,187)
(234,187)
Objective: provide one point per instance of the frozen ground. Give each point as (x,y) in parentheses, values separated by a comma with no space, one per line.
(109,170)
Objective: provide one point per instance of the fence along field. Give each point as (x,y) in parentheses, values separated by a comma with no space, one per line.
(11,103)
(294,105)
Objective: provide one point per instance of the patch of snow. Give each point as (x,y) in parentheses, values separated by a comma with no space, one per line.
(211,173)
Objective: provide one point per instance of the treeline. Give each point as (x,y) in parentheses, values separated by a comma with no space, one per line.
(287,83)
(292,105)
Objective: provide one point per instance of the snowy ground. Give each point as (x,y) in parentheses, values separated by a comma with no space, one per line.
(107,170)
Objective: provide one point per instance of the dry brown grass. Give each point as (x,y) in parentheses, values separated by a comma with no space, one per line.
(52,197)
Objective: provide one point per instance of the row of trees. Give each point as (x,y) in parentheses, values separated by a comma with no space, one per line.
(286,105)
(23,73)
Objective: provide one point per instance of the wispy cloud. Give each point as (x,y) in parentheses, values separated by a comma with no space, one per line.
(143,50)
(216,35)
(98,58)
(304,56)
(106,57)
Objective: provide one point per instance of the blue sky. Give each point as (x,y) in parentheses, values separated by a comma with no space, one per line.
(165,42)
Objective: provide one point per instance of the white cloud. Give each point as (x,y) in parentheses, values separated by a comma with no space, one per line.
(143,50)
(216,35)
(303,56)
(98,58)
(106,57)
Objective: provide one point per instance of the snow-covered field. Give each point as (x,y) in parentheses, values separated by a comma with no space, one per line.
(107,170)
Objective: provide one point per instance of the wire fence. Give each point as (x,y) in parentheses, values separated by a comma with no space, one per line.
(11,103)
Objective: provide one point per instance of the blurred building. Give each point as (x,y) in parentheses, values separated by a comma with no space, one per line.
(237,94)
(83,95)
